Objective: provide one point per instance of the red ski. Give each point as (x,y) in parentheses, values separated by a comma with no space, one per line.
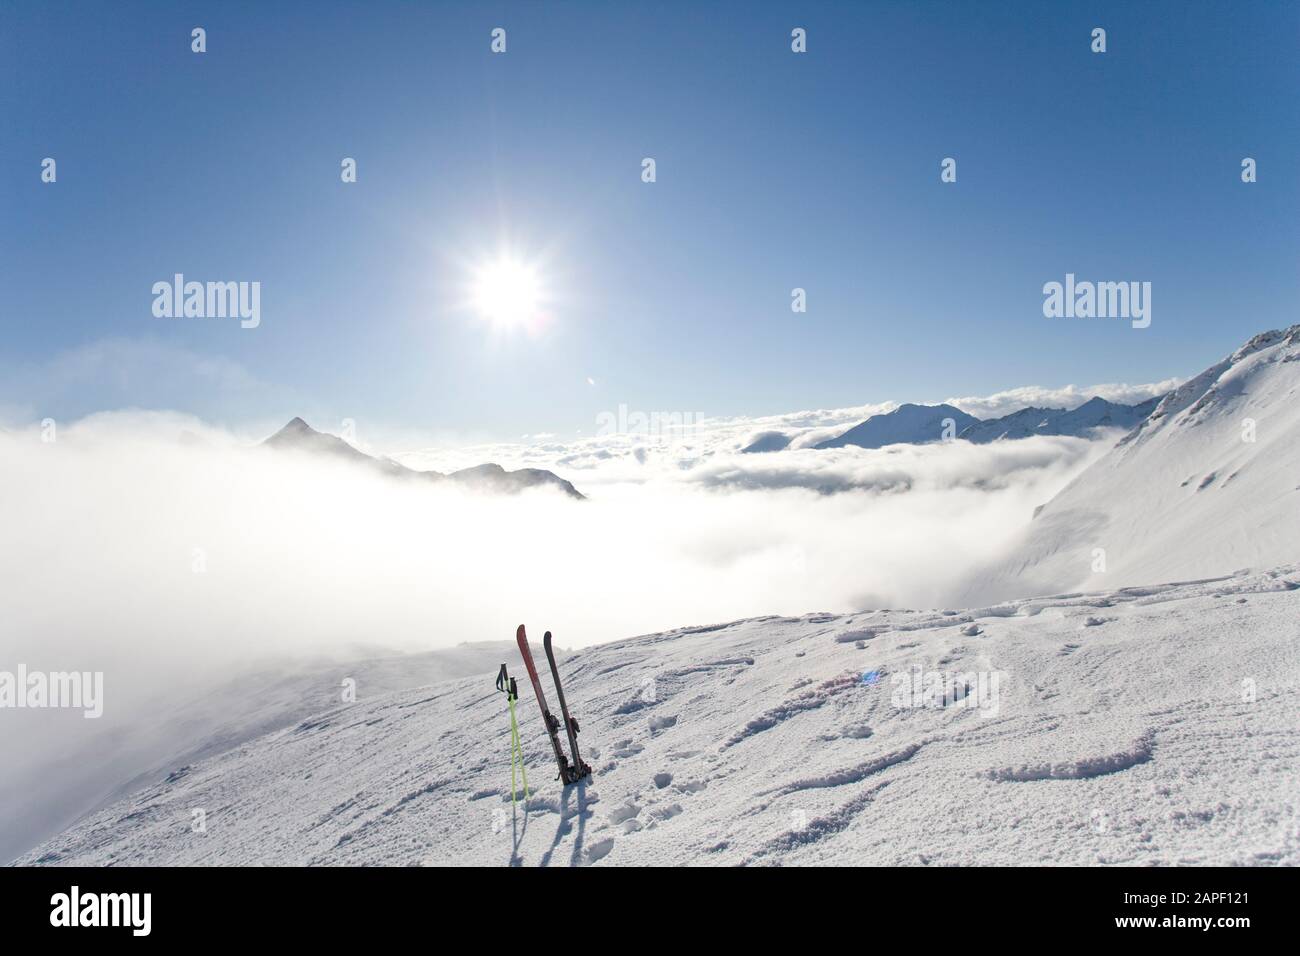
(569,773)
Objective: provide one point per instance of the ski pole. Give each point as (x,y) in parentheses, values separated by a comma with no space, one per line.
(506,684)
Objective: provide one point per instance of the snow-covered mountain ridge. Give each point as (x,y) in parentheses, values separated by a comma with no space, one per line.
(298,436)
(907,424)
(1093,414)
(922,424)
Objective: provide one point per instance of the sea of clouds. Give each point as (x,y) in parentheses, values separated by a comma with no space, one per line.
(152,535)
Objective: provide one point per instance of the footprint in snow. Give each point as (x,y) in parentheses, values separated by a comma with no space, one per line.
(972,629)
(663,779)
(599,849)
(662,723)
(621,814)
(858,731)
(538,804)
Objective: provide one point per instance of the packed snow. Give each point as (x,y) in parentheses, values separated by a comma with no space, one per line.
(1150,725)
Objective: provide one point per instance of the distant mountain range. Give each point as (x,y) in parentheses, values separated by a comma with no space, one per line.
(1092,414)
(921,424)
(491,478)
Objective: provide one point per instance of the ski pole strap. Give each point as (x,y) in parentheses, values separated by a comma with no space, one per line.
(506,684)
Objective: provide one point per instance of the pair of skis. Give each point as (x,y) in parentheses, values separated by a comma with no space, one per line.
(570,772)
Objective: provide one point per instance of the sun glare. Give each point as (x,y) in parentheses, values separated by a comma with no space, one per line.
(507,293)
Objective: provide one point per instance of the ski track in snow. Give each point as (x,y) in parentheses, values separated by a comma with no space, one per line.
(1128,741)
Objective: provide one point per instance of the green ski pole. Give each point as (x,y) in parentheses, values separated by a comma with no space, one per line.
(506,684)
(516,749)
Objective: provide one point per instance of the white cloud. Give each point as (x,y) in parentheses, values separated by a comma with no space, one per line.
(102,528)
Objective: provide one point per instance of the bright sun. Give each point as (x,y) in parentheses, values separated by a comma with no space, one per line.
(507,294)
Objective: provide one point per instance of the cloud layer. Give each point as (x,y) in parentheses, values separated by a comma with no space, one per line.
(151,536)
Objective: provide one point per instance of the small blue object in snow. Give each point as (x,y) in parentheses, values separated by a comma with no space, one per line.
(870,677)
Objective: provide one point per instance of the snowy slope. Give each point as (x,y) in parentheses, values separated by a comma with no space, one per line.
(1149,725)
(1210,483)
(119,754)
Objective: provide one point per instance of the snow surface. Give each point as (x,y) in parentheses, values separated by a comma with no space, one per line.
(120,753)
(1152,725)
(1209,484)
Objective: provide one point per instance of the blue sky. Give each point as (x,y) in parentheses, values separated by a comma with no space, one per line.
(775,170)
